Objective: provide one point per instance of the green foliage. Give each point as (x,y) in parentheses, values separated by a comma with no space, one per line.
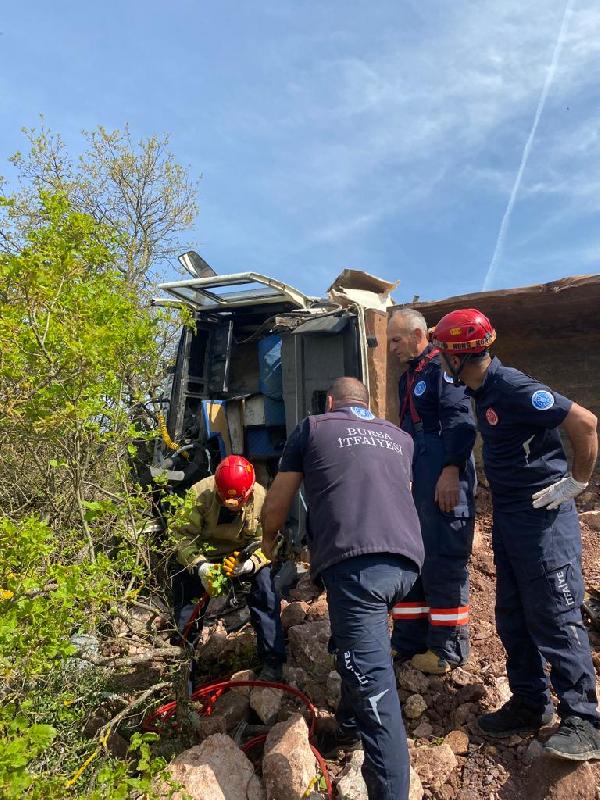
(44,597)
(74,326)
(75,557)
(219,582)
(20,743)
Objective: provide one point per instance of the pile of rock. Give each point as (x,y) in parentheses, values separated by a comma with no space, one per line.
(217,769)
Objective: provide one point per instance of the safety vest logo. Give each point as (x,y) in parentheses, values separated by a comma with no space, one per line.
(420,388)
(542,400)
(491,416)
(362,413)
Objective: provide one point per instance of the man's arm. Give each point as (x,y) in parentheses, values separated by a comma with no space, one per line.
(277,505)
(580,426)
(458,437)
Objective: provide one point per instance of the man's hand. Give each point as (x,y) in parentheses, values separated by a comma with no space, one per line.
(203,571)
(233,568)
(557,493)
(447,489)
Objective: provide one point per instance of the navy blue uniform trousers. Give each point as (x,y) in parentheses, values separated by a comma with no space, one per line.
(435,614)
(263,604)
(539,592)
(360,594)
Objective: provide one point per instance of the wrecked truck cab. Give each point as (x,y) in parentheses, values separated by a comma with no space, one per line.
(259,357)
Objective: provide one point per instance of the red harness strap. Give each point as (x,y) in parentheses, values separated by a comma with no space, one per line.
(409,402)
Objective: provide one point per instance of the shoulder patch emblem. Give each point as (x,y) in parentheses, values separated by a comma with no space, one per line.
(448,378)
(542,400)
(362,413)
(491,416)
(420,388)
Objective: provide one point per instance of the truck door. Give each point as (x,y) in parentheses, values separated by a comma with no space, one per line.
(312,357)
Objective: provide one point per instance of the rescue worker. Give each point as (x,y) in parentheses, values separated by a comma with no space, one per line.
(366,548)
(223,521)
(431,624)
(536,537)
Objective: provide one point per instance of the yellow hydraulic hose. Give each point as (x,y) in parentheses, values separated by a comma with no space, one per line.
(162,427)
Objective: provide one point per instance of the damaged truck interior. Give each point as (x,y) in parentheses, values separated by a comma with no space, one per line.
(258,358)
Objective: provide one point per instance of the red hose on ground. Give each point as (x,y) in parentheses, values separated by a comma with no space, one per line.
(199,607)
(210,693)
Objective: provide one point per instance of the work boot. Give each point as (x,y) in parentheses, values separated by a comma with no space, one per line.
(400,658)
(430,663)
(273,673)
(513,717)
(577,739)
(333,743)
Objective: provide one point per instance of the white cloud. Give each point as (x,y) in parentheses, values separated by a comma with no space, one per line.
(344,228)
(437,97)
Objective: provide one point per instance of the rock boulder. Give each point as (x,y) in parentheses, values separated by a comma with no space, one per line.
(553,779)
(308,646)
(288,762)
(351,785)
(434,764)
(266,702)
(215,770)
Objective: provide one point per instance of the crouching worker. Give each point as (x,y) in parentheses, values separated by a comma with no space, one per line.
(222,523)
(365,546)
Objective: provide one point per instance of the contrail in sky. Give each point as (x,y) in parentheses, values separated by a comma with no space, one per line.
(491,273)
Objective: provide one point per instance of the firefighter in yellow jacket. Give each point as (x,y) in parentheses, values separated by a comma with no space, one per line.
(225,520)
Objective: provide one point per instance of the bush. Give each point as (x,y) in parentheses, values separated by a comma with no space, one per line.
(74,555)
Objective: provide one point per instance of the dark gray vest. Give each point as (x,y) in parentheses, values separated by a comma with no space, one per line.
(357,474)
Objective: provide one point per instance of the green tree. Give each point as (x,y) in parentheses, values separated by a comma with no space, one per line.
(141,200)
(74,555)
(136,190)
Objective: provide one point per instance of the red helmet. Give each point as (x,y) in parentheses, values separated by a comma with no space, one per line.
(234,479)
(464,331)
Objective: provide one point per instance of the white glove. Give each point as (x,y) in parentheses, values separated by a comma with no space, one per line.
(243,569)
(561,491)
(233,568)
(203,572)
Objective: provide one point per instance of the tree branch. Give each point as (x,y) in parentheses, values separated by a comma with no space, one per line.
(114,722)
(160,654)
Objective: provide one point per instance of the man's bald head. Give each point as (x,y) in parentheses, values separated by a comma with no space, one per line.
(348,392)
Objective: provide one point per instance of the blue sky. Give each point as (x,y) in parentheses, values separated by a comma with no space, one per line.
(382,135)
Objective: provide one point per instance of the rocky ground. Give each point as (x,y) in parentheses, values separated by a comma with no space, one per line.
(450,759)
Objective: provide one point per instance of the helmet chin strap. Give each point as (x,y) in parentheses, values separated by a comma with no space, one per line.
(464,360)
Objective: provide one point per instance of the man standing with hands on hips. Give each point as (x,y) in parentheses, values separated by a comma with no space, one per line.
(365,546)
(536,537)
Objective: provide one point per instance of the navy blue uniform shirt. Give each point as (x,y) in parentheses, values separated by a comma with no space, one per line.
(444,409)
(518,419)
(292,459)
(357,471)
